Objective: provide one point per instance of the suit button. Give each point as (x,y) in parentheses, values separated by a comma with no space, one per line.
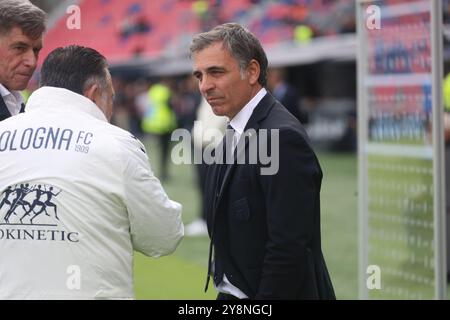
(217,195)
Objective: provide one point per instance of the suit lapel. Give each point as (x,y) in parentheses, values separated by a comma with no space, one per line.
(4,112)
(259,113)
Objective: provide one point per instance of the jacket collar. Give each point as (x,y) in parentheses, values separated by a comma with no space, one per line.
(4,112)
(239,122)
(63,99)
(261,111)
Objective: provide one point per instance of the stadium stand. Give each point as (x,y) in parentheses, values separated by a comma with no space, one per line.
(122,30)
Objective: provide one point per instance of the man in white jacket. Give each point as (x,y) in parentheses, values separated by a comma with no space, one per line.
(77,194)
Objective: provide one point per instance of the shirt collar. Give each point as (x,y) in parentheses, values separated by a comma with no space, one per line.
(59,98)
(15,97)
(240,120)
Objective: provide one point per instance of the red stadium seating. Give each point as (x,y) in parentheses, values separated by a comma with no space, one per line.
(121,29)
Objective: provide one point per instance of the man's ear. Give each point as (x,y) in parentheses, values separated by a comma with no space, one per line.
(253,71)
(92,92)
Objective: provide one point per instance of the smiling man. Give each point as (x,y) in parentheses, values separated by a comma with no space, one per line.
(21,28)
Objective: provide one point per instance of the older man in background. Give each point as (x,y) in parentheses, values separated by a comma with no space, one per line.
(22,25)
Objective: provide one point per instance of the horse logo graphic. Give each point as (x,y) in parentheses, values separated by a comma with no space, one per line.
(22,204)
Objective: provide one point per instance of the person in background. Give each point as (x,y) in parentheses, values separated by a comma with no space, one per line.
(285,93)
(160,120)
(78,194)
(22,25)
(186,100)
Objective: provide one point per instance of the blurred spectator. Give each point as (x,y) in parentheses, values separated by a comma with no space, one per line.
(160,119)
(120,115)
(285,93)
(186,100)
(446,11)
(134,22)
(348,140)
(207,12)
(134,117)
(131,27)
(141,100)
(303,34)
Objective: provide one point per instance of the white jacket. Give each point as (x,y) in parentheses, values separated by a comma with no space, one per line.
(77,195)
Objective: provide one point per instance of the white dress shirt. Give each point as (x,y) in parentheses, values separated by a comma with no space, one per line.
(240,120)
(238,123)
(13,100)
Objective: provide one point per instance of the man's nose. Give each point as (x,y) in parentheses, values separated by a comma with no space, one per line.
(206,85)
(30,59)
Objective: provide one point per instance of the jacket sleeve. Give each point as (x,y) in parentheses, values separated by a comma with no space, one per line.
(156,226)
(291,198)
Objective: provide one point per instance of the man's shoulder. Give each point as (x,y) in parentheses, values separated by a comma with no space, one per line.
(124,138)
(288,127)
(280,118)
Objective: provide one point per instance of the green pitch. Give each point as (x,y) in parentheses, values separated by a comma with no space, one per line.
(182,275)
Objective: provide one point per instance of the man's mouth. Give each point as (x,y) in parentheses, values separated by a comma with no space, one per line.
(212,100)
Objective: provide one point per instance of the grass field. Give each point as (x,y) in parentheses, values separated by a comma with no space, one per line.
(182,275)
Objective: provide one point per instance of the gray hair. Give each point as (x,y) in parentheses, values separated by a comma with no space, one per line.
(23,14)
(240,42)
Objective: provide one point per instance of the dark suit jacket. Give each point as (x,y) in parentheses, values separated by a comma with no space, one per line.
(4,112)
(266,228)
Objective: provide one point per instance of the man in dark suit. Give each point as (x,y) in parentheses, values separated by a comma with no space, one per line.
(264,228)
(21,27)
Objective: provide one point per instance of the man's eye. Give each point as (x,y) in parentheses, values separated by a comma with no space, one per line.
(20,48)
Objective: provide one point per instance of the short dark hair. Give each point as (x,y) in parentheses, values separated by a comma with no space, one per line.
(239,41)
(23,14)
(74,68)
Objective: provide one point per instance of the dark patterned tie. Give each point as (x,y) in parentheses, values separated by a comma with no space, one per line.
(22,108)
(228,154)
